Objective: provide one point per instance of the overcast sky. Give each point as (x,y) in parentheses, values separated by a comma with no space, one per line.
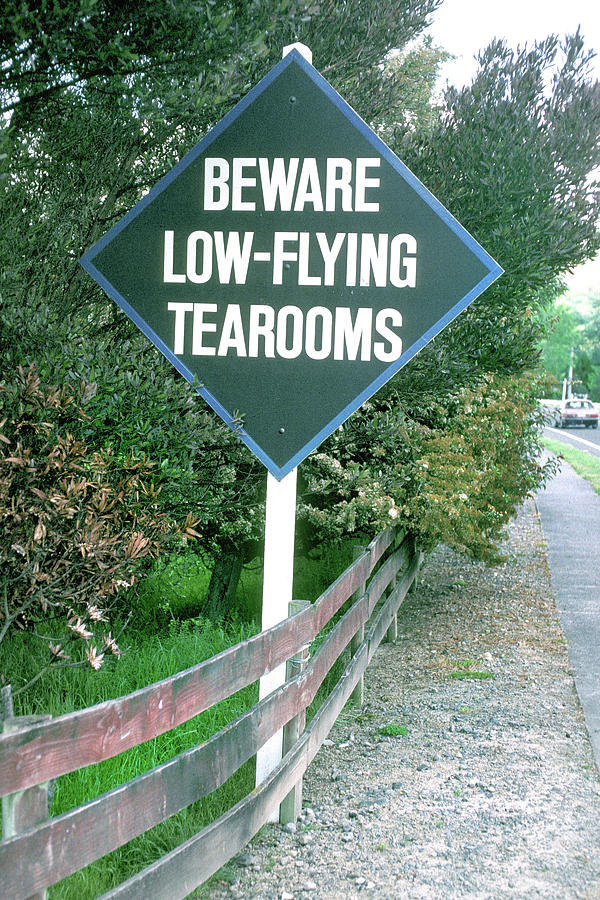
(466,26)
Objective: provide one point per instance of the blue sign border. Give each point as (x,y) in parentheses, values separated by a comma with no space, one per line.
(494,270)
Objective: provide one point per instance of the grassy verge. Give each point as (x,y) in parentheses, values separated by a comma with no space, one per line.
(584,463)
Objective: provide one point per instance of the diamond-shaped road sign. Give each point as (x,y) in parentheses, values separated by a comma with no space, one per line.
(290,264)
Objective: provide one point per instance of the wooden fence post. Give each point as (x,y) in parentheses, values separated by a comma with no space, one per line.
(6,704)
(391,635)
(291,806)
(415,583)
(23,809)
(357,695)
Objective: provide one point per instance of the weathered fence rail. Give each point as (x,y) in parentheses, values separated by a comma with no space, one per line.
(38,851)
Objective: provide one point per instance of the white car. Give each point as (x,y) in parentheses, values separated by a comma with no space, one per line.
(578,412)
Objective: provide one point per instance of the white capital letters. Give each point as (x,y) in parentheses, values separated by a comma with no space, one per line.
(394,316)
(400,262)
(278,182)
(341,183)
(330,254)
(309,187)
(373,258)
(180,309)
(262,323)
(324,314)
(204,238)
(233,256)
(239,182)
(303,256)
(284,315)
(169,276)
(349,336)
(232,335)
(363,183)
(280,255)
(216,176)
(201,328)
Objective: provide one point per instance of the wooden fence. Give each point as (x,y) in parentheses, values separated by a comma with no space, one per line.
(38,851)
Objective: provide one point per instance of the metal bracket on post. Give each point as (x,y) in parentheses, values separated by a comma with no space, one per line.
(291,806)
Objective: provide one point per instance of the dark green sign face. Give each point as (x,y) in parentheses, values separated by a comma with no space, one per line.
(290,264)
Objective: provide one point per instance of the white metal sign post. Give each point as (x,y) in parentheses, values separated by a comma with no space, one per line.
(278,573)
(277,591)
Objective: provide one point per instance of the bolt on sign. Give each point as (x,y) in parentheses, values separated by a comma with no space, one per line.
(290,265)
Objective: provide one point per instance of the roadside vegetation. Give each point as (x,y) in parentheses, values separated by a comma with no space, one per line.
(166,638)
(151,655)
(585,464)
(573,324)
(132,518)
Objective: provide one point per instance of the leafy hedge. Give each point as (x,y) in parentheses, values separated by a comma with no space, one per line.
(456,474)
(76,525)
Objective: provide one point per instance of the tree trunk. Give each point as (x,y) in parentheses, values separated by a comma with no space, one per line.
(223,583)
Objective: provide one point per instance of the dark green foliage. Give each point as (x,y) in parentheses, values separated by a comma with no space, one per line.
(572,326)
(103,100)
(518,145)
(77,525)
(453,470)
(510,157)
(110,98)
(448,447)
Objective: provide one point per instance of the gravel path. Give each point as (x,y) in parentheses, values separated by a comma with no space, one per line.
(489,792)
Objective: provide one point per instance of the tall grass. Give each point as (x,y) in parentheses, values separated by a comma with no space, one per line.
(165,636)
(149,658)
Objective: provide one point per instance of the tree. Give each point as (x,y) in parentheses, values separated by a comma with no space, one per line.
(573,324)
(413,72)
(77,526)
(102,100)
(562,330)
(512,160)
(93,130)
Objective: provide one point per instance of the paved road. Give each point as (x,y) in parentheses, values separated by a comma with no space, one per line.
(570,513)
